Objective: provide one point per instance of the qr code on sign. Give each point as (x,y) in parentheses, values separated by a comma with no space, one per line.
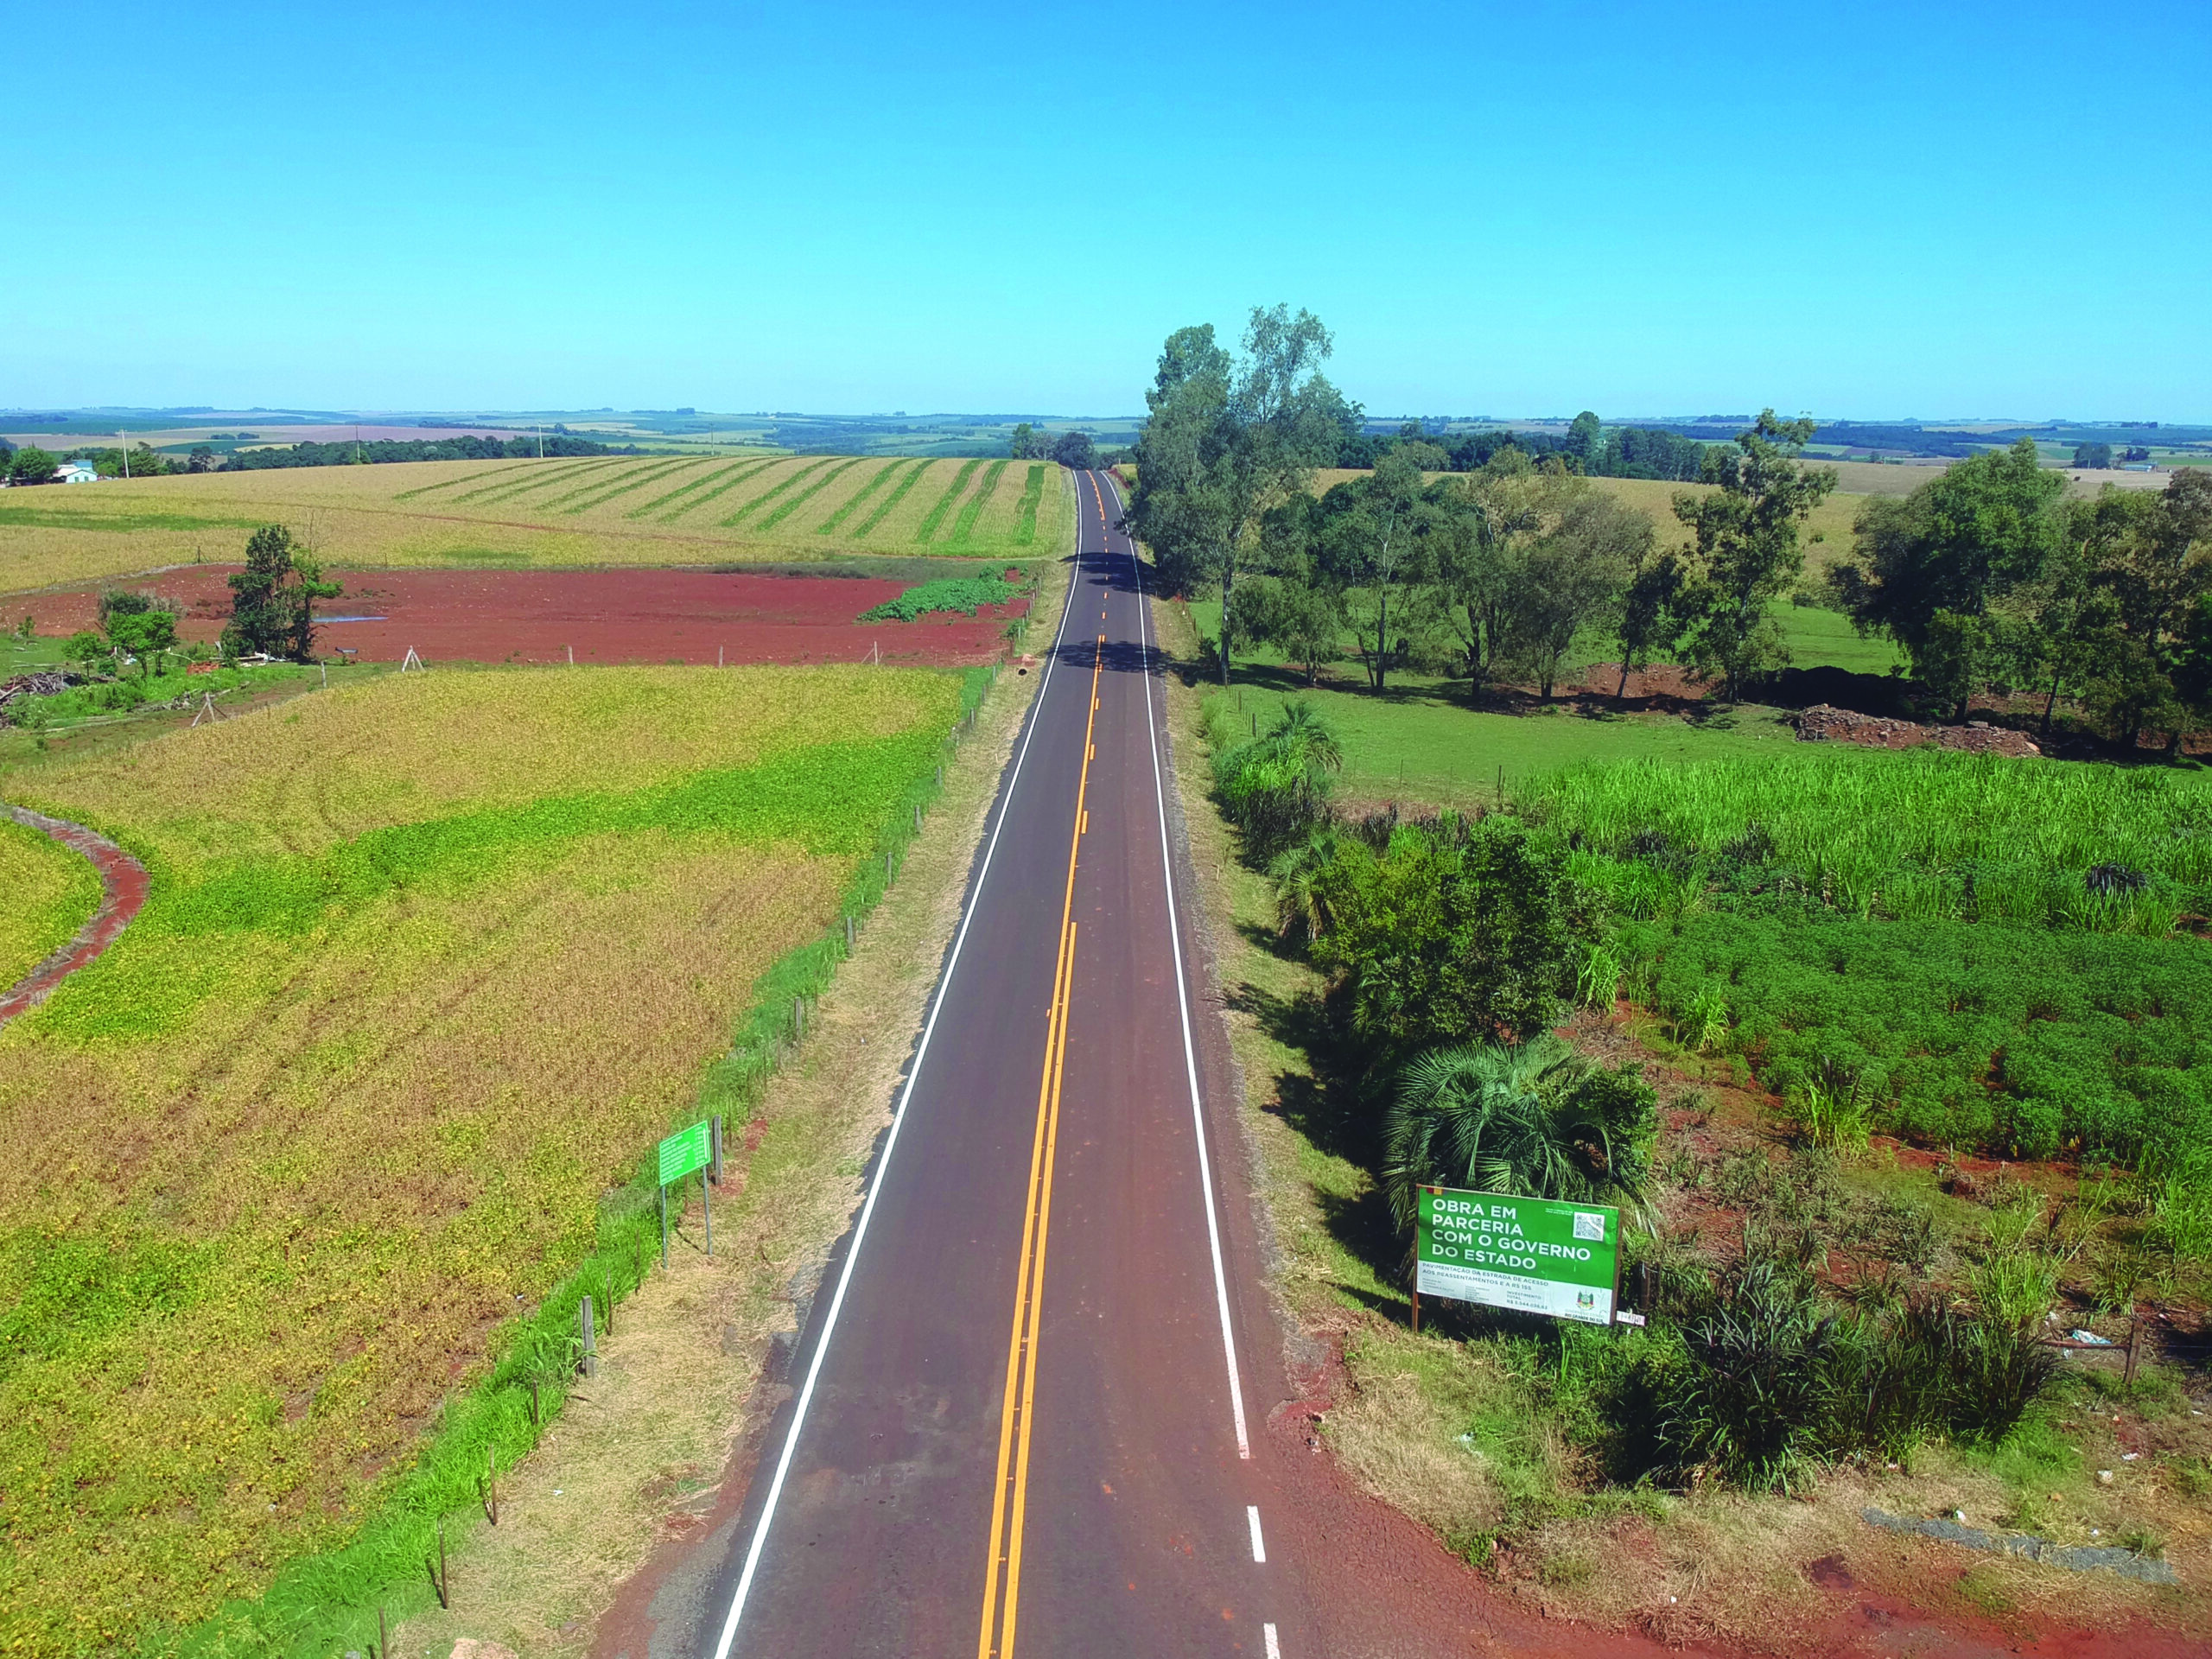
(1589,1227)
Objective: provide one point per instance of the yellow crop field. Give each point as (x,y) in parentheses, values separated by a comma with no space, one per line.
(620,510)
(51,891)
(429,963)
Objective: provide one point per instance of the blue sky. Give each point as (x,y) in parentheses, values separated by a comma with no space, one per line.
(1860,212)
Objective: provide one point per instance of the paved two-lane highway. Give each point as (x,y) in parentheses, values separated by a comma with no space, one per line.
(1025,1416)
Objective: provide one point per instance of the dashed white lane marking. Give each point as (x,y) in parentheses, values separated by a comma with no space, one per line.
(1274,1647)
(1259,1546)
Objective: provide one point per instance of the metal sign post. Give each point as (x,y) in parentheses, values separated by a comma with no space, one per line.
(1535,1255)
(681,1154)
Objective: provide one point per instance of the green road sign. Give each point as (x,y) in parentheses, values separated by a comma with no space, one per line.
(1533,1255)
(684,1152)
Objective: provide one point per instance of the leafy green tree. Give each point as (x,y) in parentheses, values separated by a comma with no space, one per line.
(1480,534)
(1576,575)
(1299,618)
(1928,566)
(32,465)
(1025,444)
(1075,450)
(1452,933)
(2148,559)
(138,623)
(1372,546)
(1745,547)
(2089,455)
(272,599)
(1226,439)
(1650,620)
(1586,436)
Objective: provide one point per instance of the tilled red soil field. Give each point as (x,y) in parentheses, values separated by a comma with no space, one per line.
(603,616)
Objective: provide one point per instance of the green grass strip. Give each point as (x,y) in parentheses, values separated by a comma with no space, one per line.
(953,492)
(550,478)
(807,494)
(1032,493)
(634,481)
(466,478)
(681,490)
(769,495)
(724,488)
(542,477)
(964,526)
(876,480)
(593,484)
(884,507)
(324,1603)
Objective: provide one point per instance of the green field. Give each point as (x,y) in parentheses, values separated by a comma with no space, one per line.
(363,1089)
(626,509)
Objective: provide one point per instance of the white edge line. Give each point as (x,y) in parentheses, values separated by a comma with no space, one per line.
(1183,1007)
(1259,1546)
(883,1165)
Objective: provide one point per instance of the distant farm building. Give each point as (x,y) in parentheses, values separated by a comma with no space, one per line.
(76,472)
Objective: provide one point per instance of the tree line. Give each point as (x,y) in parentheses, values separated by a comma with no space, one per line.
(1994,581)
(1073,449)
(33,465)
(1588,447)
(1490,573)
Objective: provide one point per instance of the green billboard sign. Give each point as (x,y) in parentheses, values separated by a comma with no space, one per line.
(684,1152)
(1536,1256)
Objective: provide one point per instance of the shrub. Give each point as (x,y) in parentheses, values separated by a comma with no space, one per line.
(1451,933)
(1275,788)
(1534,1119)
(963,595)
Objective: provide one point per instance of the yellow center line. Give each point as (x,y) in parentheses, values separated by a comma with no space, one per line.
(1010,1495)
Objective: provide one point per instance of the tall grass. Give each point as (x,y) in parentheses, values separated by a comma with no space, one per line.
(1923,835)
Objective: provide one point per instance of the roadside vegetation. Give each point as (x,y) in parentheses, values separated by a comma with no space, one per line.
(359,1100)
(1894,1062)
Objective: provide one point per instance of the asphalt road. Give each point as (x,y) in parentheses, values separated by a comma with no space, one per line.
(1027,1398)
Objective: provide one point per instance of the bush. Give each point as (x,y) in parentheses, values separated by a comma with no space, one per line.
(1275,788)
(1535,1119)
(962,595)
(1451,933)
(1769,1381)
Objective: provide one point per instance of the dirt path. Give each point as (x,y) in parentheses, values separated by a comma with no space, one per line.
(122,880)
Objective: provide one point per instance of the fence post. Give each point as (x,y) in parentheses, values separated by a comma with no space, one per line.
(798,1017)
(849,936)
(2134,1348)
(591,1338)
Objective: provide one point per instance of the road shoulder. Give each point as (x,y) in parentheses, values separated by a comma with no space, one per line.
(610,1534)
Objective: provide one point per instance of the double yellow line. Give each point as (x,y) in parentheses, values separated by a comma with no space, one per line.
(1010,1497)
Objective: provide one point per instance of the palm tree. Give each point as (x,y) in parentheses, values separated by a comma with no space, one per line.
(1494,1117)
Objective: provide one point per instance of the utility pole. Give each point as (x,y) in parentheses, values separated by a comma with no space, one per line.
(123,442)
